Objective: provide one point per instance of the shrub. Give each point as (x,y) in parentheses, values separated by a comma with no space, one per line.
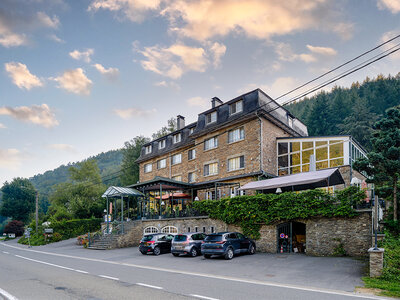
(56,237)
(16,227)
(73,228)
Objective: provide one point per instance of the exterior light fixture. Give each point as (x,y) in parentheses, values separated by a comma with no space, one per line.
(196,198)
(278,191)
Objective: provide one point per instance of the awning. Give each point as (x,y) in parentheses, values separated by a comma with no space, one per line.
(166,184)
(117,191)
(174,195)
(297,182)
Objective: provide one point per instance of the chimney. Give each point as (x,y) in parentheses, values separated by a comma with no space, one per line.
(215,101)
(180,122)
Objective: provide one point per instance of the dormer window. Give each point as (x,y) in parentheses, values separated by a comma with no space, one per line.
(211,117)
(236,107)
(191,130)
(177,138)
(147,149)
(290,121)
(161,144)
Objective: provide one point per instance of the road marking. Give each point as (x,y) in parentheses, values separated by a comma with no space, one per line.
(150,286)
(5,252)
(45,263)
(221,277)
(7,295)
(80,271)
(109,277)
(203,297)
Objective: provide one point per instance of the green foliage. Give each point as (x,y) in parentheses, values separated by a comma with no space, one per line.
(18,199)
(250,212)
(171,127)
(339,249)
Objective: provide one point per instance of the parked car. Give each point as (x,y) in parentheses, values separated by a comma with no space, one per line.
(187,243)
(156,243)
(227,244)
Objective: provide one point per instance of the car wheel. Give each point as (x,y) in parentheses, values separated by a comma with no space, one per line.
(229,254)
(207,255)
(193,252)
(157,251)
(252,249)
(175,254)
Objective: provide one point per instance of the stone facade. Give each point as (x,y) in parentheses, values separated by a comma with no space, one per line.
(375,262)
(323,235)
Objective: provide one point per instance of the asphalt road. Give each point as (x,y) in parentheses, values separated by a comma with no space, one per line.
(65,271)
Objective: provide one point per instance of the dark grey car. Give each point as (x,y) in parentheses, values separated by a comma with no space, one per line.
(187,243)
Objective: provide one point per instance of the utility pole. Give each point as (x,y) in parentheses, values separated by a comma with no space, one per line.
(37,210)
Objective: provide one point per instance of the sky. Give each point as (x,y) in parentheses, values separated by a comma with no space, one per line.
(78,78)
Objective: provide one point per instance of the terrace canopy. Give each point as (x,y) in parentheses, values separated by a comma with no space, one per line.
(297,182)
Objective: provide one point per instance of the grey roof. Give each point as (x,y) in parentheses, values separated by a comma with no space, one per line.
(117,191)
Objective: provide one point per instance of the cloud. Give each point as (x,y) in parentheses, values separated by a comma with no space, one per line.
(198,102)
(170,84)
(74,81)
(2,126)
(110,73)
(134,10)
(322,50)
(392,5)
(387,36)
(10,159)
(286,53)
(21,76)
(178,59)
(48,21)
(55,38)
(84,55)
(62,147)
(37,114)
(128,113)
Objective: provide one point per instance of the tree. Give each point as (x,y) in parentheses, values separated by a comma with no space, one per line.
(15,226)
(18,199)
(131,152)
(171,127)
(383,162)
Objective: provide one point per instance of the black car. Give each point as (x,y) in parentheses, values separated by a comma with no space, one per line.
(187,243)
(156,243)
(227,244)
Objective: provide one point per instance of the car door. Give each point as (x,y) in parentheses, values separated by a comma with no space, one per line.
(244,242)
(168,243)
(234,241)
(162,243)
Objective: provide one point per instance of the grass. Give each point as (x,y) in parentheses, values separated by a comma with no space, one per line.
(387,288)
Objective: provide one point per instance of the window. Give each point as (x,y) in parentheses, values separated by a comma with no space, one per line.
(290,121)
(236,135)
(148,168)
(191,177)
(191,154)
(236,107)
(177,138)
(196,229)
(162,163)
(147,149)
(150,229)
(169,229)
(211,117)
(212,229)
(211,143)
(176,159)
(191,130)
(161,144)
(236,163)
(177,178)
(211,169)
(210,195)
(188,229)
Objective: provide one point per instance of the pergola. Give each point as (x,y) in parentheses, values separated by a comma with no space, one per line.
(119,192)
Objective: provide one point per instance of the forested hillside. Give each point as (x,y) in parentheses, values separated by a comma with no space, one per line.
(350,110)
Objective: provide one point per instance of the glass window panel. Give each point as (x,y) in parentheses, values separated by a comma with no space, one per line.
(295,159)
(295,170)
(336,150)
(336,162)
(306,156)
(283,161)
(282,148)
(321,153)
(294,146)
(283,172)
(307,145)
(322,165)
(305,168)
(320,143)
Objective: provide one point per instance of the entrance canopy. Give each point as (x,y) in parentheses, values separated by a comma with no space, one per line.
(117,191)
(165,184)
(297,182)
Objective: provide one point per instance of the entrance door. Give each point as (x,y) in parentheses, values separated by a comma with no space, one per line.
(284,238)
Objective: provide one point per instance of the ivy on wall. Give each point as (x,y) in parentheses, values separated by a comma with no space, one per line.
(251,212)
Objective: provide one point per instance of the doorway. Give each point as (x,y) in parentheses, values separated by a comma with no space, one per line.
(291,237)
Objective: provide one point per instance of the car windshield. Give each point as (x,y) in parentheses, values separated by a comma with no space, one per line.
(147,238)
(180,238)
(213,238)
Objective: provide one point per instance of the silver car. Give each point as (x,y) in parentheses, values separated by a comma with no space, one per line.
(187,243)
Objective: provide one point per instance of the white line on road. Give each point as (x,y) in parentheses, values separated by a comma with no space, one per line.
(203,297)
(221,277)
(5,252)
(150,286)
(7,295)
(80,271)
(109,277)
(45,263)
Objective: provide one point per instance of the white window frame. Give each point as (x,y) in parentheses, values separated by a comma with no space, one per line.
(211,117)
(177,178)
(177,138)
(146,169)
(193,151)
(206,143)
(169,229)
(208,167)
(237,168)
(161,144)
(235,105)
(231,133)
(150,229)
(173,158)
(193,179)
(191,130)
(161,166)
(148,149)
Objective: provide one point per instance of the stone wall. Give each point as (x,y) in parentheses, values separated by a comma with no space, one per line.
(323,235)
